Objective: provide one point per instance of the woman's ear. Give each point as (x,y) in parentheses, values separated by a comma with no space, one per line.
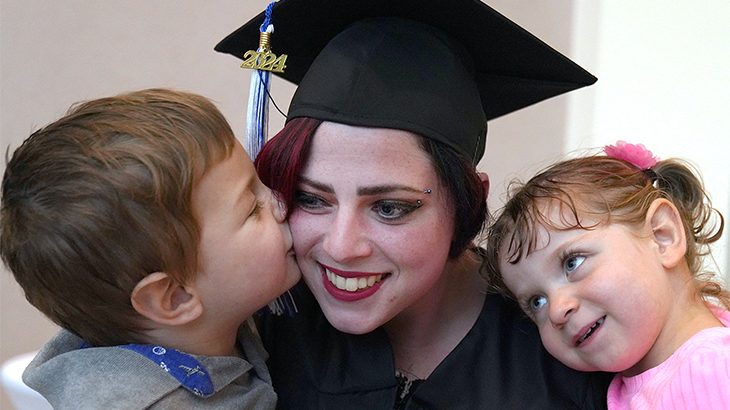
(485,183)
(668,232)
(163,300)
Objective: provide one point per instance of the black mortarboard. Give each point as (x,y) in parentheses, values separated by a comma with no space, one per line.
(439,68)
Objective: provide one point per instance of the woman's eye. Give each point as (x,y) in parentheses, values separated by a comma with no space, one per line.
(394,210)
(308,201)
(573,262)
(536,302)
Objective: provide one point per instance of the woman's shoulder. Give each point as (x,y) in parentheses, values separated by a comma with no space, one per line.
(502,360)
(503,321)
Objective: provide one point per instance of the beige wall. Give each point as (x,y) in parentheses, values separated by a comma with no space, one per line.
(56,53)
(663,81)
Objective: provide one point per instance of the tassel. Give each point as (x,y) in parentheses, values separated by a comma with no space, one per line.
(257,117)
(257,122)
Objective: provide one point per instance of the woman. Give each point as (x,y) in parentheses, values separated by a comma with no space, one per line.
(377,167)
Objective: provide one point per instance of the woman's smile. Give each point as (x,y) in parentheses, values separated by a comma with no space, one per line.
(352,281)
(351,286)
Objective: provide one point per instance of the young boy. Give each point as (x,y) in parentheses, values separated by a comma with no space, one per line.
(138,224)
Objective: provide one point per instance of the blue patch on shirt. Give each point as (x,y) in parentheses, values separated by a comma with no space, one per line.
(184,367)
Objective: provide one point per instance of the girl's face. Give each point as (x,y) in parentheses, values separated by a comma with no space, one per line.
(600,297)
(371,226)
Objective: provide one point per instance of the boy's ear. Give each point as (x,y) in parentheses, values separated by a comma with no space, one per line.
(668,231)
(165,301)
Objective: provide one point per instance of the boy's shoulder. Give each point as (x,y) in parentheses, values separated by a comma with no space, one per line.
(71,376)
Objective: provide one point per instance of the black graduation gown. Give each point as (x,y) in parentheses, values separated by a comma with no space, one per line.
(500,364)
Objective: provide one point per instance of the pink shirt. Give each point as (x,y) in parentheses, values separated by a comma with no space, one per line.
(696,376)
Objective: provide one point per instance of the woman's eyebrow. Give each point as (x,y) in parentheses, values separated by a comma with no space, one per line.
(362,191)
(317,185)
(384,189)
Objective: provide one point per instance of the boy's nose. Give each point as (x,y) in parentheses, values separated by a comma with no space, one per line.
(278,208)
(278,211)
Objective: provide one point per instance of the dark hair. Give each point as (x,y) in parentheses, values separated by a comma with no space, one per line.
(281,161)
(97,200)
(608,190)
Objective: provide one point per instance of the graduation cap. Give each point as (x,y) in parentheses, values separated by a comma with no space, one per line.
(438,68)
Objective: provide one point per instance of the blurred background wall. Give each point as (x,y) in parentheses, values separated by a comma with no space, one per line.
(662,67)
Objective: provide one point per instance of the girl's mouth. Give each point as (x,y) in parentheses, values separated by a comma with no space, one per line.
(590,331)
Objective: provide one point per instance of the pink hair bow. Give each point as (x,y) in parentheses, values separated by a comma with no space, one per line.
(636,154)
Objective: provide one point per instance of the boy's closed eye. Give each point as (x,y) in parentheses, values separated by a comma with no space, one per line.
(258,205)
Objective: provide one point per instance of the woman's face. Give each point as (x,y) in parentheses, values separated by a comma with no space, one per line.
(371,226)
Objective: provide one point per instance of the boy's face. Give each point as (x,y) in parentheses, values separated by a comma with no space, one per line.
(245,256)
(598,297)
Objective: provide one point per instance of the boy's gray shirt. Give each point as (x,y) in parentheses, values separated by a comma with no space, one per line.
(116,378)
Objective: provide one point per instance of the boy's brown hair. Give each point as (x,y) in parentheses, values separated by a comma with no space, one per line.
(101,198)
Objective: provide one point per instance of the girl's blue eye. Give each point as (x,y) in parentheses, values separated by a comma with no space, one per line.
(393,211)
(536,302)
(573,262)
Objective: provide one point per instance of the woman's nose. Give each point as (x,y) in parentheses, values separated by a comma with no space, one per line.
(346,238)
(562,306)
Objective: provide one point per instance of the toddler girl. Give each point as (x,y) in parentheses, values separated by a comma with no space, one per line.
(604,254)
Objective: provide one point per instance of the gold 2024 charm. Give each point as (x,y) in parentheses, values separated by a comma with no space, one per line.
(264,59)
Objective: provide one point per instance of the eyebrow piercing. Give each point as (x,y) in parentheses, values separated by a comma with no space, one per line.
(418,201)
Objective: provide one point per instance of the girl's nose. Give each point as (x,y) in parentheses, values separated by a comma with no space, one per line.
(346,238)
(562,306)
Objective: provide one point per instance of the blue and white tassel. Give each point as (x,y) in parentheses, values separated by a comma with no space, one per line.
(262,61)
(257,117)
